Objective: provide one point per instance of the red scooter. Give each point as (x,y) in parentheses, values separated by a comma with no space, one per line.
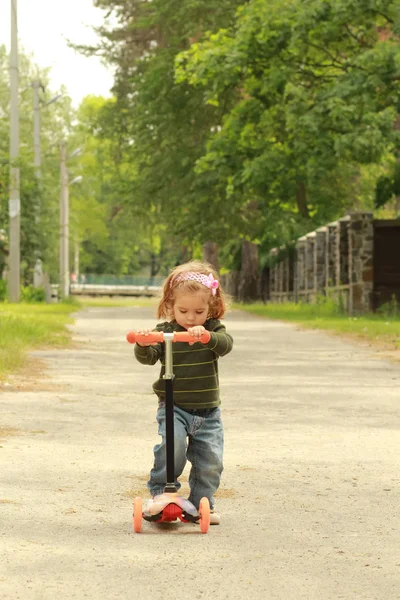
(170,505)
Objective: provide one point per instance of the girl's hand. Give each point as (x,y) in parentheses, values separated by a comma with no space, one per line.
(196,332)
(145,332)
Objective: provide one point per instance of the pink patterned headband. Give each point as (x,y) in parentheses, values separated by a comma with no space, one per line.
(207,280)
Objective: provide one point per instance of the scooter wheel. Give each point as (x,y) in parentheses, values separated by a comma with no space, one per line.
(204,510)
(137,514)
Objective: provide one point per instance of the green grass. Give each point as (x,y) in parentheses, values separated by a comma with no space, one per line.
(376,328)
(24,327)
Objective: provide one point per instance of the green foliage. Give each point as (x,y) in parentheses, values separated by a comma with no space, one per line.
(383,191)
(164,125)
(232,120)
(114,231)
(390,309)
(315,88)
(388,184)
(31,294)
(3,290)
(256,120)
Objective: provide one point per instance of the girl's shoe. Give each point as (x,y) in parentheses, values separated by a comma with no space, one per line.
(215,518)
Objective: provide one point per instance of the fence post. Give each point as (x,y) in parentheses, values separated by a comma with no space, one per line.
(280,276)
(330,256)
(320,252)
(300,267)
(286,270)
(342,254)
(310,250)
(342,261)
(361,262)
(295,274)
(272,276)
(291,276)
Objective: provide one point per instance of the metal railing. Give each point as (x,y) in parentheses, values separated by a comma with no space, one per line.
(119,280)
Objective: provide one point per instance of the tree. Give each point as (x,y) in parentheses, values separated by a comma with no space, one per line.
(254,121)
(166,125)
(115,234)
(316,88)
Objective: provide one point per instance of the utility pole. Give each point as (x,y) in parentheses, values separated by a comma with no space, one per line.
(36,127)
(14,205)
(39,278)
(76,261)
(38,272)
(64,217)
(64,223)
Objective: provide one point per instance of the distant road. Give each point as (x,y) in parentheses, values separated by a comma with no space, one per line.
(91,289)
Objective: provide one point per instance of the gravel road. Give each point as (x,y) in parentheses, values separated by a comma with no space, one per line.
(310,493)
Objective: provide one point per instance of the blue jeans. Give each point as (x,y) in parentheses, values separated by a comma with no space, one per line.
(199,438)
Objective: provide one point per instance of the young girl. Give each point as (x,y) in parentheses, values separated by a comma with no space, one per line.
(192,301)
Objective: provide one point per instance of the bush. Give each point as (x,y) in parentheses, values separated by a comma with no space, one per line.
(3,290)
(391,308)
(31,294)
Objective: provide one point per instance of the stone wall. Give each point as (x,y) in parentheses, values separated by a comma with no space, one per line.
(336,260)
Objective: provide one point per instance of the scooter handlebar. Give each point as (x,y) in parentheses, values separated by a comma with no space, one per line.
(156,337)
(153,336)
(185,336)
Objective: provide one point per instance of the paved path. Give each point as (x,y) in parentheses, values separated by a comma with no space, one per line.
(310,494)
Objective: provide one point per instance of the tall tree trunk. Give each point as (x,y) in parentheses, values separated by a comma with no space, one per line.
(249,279)
(264,285)
(184,256)
(210,254)
(301,199)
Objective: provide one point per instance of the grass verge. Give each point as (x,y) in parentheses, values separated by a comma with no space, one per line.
(379,329)
(24,327)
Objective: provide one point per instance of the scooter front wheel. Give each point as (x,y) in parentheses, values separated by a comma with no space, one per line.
(204,510)
(137,514)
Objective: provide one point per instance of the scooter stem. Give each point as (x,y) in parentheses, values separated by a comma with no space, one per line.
(169,365)
(169,414)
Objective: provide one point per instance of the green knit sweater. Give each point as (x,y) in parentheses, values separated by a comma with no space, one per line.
(196,383)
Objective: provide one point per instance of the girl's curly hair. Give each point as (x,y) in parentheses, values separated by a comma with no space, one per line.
(217,303)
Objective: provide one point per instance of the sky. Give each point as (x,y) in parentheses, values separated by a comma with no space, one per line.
(43,29)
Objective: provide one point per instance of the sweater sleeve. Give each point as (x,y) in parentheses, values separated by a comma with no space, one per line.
(149,355)
(221,341)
